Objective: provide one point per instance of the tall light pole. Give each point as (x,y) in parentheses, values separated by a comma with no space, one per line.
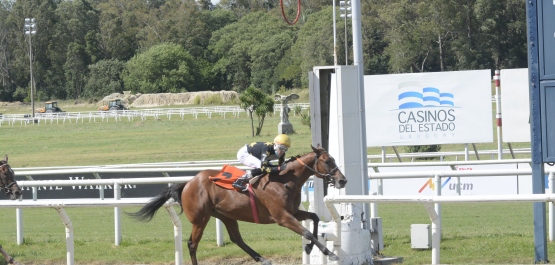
(345,9)
(30,30)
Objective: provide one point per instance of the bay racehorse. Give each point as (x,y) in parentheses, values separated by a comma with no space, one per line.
(11,189)
(277,198)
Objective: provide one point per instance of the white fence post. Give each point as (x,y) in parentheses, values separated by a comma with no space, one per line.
(69,235)
(117,214)
(177,234)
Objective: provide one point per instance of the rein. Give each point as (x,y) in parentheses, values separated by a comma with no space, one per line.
(327,176)
(3,186)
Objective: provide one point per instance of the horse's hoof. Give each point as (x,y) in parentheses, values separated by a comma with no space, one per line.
(308,248)
(333,257)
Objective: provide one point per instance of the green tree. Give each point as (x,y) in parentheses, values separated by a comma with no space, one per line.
(5,53)
(75,70)
(254,101)
(314,46)
(503,31)
(48,73)
(164,68)
(249,51)
(119,24)
(104,78)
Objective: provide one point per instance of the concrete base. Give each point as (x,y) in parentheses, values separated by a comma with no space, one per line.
(387,260)
(285,128)
(354,245)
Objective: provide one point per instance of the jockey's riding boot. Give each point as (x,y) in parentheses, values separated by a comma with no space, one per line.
(241,182)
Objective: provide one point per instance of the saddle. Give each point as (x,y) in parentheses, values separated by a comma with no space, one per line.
(227,176)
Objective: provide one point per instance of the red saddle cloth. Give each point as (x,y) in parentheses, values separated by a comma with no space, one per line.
(227,176)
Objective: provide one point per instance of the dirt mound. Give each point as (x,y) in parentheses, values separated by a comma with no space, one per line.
(167,99)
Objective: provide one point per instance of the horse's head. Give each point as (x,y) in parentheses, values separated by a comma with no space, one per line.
(7,180)
(325,167)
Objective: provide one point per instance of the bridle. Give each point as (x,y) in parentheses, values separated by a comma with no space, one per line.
(326,176)
(6,187)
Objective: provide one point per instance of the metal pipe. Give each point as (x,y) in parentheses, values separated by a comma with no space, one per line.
(177,234)
(498,115)
(117,215)
(69,235)
(551,207)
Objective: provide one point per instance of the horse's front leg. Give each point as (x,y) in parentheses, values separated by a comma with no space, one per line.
(291,222)
(6,256)
(304,215)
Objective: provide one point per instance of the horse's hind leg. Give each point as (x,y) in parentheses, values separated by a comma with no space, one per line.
(235,237)
(304,215)
(6,256)
(194,239)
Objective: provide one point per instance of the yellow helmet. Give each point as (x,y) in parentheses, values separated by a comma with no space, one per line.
(283,139)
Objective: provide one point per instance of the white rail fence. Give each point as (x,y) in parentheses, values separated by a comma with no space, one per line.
(130,115)
(60,204)
(165,168)
(433,203)
(116,202)
(428,202)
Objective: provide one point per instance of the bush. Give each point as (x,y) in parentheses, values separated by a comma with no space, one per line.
(297,109)
(423,149)
(305,118)
(196,100)
(214,99)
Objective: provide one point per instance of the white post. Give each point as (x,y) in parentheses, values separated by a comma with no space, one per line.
(117,215)
(498,116)
(465,152)
(334,37)
(19,226)
(177,234)
(437,181)
(436,235)
(69,235)
(219,233)
(551,207)
(306,224)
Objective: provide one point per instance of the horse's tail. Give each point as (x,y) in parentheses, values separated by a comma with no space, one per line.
(149,210)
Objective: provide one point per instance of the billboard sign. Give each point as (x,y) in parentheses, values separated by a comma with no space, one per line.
(515,105)
(428,108)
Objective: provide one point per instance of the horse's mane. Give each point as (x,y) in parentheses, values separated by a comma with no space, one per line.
(293,158)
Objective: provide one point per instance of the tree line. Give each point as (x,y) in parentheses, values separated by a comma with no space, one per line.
(92,48)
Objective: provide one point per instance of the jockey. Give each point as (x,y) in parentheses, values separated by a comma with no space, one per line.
(257,155)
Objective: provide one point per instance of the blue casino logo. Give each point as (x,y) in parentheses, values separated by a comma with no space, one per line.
(428,97)
(425,113)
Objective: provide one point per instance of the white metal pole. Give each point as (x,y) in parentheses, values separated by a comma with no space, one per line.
(458,188)
(334,37)
(498,115)
(69,235)
(551,207)
(436,237)
(117,215)
(19,226)
(358,61)
(465,152)
(177,234)
(437,181)
(346,38)
(219,233)
(31,72)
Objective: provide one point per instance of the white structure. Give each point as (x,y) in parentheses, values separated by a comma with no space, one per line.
(337,122)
